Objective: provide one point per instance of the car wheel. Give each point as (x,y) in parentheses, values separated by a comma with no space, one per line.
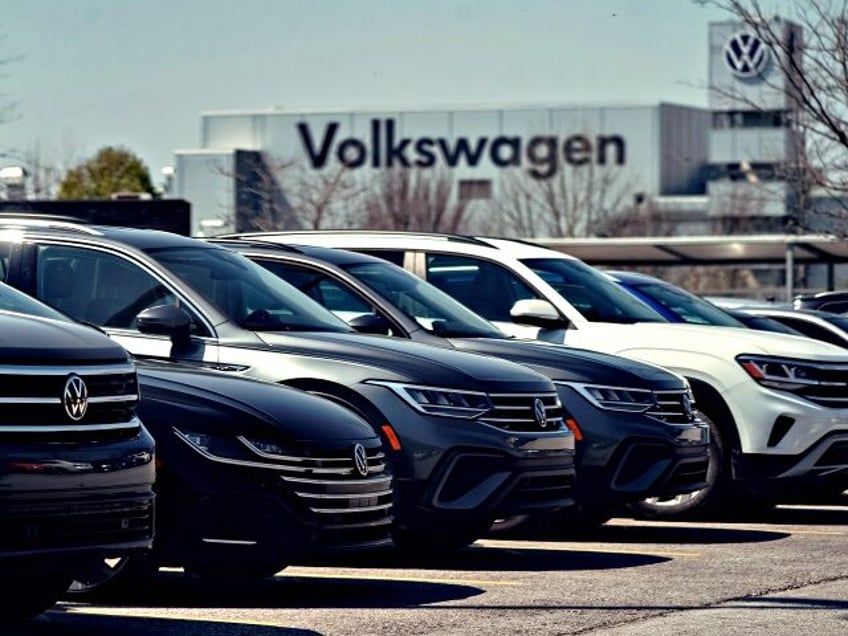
(699,501)
(113,574)
(27,594)
(231,574)
(427,541)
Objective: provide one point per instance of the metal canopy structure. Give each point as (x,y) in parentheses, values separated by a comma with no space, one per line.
(756,249)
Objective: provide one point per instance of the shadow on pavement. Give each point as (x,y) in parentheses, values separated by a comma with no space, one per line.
(61,622)
(173,589)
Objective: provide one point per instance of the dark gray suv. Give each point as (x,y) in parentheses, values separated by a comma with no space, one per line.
(470,438)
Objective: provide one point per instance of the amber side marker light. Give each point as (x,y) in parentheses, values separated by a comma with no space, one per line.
(394,441)
(571,423)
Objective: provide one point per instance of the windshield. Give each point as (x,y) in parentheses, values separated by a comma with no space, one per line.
(246,293)
(13,300)
(593,294)
(688,307)
(433,309)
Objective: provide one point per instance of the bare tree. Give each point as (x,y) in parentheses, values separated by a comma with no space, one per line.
(416,200)
(576,201)
(322,199)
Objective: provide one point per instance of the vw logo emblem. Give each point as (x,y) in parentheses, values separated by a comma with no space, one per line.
(539,413)
(746,55)
(687,408)
(360,460)
(75,397)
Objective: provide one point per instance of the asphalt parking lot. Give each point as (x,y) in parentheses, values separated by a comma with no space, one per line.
(782,572)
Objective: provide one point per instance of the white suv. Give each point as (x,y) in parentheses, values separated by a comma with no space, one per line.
(778,404)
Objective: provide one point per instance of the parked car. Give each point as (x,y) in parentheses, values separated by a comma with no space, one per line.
(672,302)
(832,301)
(753,321)
(678,305)
(246,483)
(779,402)
(634,423)
(76,463)
(820,325)
(469,438)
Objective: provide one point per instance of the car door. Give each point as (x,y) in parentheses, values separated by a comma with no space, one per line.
(108,289)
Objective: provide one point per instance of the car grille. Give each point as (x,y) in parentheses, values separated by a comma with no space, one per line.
(673,407)
(352,509)
(58,524)
(32,402)
(516,412)
(832,390)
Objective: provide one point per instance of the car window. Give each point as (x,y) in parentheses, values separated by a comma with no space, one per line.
(812,330)
(5,252)
(596,296)
(686,306)
(95,286)
(486,288)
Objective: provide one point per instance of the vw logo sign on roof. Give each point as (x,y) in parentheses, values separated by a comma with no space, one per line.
(746,55)
(75,397)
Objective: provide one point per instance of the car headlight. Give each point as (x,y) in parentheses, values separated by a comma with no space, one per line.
(616,398)
(440,401)
(238,448)
(781,373)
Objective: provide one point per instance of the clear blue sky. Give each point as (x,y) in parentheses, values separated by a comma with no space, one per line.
(138,73)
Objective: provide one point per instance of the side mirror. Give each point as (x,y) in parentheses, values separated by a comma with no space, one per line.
(166,320)
(370,323)
(538,313)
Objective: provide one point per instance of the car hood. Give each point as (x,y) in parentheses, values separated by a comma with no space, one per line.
(238,405)
(405,361)
(26,339)
(573,364)
(718,341)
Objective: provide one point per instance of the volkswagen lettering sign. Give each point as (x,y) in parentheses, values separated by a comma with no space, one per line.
(75,397)
(746,55)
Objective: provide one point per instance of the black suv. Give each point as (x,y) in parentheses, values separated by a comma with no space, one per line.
(246,483)
(76,464)
(637,434)
(469,438)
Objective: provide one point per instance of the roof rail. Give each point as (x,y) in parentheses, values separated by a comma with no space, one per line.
(45,222)
(250,241)
(462,238)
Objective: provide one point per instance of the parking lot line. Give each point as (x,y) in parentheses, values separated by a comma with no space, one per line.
(577,547)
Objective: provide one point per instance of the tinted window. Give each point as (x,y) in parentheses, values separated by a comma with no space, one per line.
(688,307)
(430,307)
(245,292)
(813,331)
(484,287)
(96,286)
(393,256)
(596,296)
(13,300)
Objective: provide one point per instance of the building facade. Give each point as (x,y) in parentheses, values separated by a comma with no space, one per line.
(702,169)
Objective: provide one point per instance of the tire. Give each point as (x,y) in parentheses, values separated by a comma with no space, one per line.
(113,575)
(31,594)
(572,522)
(427,541)
(701,501)
(233,574)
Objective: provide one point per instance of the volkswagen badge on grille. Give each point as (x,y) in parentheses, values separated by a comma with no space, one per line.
(360,460)
(75,397)
(539,413)
(687,408)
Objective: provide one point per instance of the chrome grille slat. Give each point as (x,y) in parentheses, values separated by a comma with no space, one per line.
(508,409)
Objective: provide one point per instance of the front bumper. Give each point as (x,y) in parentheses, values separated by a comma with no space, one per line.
(630,456)
(76,499)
